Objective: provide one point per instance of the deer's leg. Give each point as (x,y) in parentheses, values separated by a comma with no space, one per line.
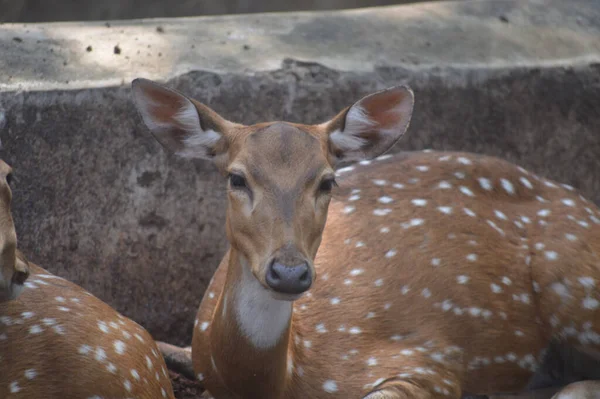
(177,359)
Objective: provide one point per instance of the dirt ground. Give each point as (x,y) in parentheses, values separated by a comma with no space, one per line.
(184,388)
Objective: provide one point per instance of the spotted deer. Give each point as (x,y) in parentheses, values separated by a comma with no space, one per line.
(436,274)
(59,341)
(13,271)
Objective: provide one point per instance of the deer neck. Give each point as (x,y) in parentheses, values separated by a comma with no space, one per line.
(250,334)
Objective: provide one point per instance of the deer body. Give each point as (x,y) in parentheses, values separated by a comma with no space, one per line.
(427,274)
(59,341)
(436,274)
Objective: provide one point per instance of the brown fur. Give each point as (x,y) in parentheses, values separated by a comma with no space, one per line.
(59,341)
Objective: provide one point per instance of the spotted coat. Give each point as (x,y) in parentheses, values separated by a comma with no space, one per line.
(439,274)
(59,341)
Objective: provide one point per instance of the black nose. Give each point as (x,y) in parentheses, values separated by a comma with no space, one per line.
(289,279)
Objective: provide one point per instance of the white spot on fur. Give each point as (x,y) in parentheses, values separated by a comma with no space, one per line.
(500,215)
(445,209)
(35,329)
(525,182)
(30,374)
(587,282)
(103,327)
(14,387)
(466,191)
(496,288)
(100,354)
(27,315)
(471,257)
(419,202)
(330,386)
(412,223)
(469,212)
(544,213)
(485,183)
(356,272)
(507,186)
(381,212)
(344,170)
(119,347)
(462,279)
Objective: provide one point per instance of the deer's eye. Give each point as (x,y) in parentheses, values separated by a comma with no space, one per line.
(327,185)
(237,181)
(9,179)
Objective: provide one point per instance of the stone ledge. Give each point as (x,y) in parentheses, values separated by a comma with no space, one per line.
(438,35)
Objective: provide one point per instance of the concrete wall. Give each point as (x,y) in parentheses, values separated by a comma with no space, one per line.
(100,203)
(87,10)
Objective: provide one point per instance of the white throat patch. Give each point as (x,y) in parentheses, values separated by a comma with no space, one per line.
(262,319)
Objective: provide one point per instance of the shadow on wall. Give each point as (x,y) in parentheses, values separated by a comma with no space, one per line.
(88,10)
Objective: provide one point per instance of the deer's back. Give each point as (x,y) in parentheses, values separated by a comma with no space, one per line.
(58,340)
(449,256)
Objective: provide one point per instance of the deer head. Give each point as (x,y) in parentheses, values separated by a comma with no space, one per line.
(14,269)
(280,175)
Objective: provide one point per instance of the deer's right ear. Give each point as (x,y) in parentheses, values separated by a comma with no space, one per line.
(182,125)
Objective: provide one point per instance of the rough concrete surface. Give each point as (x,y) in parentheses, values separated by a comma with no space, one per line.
(99,202)
(86,10)
(484,35)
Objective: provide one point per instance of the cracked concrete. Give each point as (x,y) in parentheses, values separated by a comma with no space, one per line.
(99,202)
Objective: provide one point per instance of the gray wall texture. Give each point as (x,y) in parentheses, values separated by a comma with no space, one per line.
(100,202)
(87,10)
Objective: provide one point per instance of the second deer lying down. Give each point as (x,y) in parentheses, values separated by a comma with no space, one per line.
(59,341)
(437,274)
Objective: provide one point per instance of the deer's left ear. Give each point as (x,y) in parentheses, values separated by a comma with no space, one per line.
(371,126)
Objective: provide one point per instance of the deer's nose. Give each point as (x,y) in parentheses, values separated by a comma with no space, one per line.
(286,279)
